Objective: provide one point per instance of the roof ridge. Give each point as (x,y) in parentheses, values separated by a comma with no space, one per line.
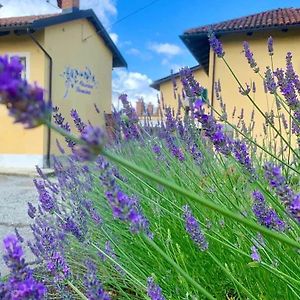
(246,17)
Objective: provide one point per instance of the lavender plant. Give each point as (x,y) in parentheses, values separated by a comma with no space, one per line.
(165,212)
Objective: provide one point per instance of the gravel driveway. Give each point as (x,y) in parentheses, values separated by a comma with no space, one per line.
(15,192)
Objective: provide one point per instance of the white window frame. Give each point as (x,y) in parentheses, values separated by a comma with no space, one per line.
(27,57)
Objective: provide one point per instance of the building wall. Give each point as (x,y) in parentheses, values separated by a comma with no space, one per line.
(20,147)
(76,47)
(283,42)
(166,88)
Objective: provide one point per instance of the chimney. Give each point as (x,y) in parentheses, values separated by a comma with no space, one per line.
(68,6)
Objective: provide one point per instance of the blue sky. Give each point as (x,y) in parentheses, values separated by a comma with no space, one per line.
(149,40)
(165,20)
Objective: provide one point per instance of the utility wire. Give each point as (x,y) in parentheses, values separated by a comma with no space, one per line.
(53,5)
(121,19)
(135,12)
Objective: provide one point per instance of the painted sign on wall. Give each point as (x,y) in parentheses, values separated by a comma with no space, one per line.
(81,81)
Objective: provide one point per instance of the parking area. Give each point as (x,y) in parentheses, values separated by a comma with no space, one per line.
(15,192)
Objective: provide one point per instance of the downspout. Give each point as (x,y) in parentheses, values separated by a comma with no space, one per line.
(213,83)
(50,92)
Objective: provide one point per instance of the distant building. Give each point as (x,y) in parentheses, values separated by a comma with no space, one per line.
(146,111)
(167,89)
(71,55)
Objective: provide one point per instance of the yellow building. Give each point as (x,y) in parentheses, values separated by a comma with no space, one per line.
(282,24)
(71,56)
(172,83)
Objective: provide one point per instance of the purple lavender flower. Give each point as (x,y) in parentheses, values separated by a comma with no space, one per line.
(192,88)
(18,235)
(255,254)
(127,209)
(94,289)
(25,102)
(157,150)
(170,121)
(124,207)
(250,58)
(270,82)
(94,139)
(21,283)
(282,189)
(47,201)
(31,210)
(70,225)
(270,46)
(129,120)
(216,45)
(58,266)
(245,91)
(77,120)
(173,148)
(193,229)
(265,215)
(154,291)
(215,132)
(295,207)
(60,121)
(241,154)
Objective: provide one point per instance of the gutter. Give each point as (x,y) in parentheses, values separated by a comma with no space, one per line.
(50,92)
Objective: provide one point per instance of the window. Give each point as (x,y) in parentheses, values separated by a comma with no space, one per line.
(24,59)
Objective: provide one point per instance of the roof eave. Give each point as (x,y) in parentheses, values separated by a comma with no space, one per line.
(156,84)
(118,59)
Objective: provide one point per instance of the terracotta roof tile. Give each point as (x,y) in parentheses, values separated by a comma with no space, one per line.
(21,21)
(271,18)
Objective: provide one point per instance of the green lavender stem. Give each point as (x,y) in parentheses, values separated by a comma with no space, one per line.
(204,202)
(77,291)
(179,269)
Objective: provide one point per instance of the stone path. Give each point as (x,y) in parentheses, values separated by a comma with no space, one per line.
(15,192)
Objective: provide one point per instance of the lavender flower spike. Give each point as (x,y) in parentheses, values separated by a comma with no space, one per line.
(250,58)
(216,45)
(21,283)
(269,81)
(94,139)
(93,284)
(193,229)
(25,102)
(265,215)
(278,182)
(270,46)
(154,291)
(255,254)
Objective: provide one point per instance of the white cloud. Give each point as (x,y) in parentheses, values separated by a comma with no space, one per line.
(133,51)
(106,10)
(165,48)
(143,55)
(13,8)
(114,37)
(134,84)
